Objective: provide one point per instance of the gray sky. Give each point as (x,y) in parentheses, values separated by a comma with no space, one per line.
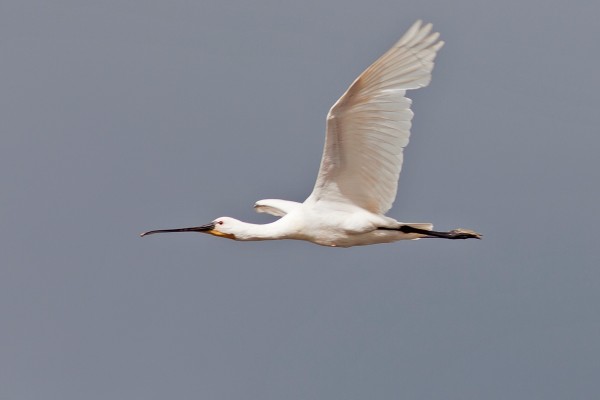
(122,116)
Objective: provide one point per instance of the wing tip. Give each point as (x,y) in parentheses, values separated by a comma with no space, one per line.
(419,33)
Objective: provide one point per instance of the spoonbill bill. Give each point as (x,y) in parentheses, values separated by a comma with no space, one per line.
(367,130)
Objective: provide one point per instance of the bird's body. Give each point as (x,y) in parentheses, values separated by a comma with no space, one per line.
(367,130)
(328,224)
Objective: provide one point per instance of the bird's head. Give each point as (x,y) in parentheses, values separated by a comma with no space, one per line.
(222,226)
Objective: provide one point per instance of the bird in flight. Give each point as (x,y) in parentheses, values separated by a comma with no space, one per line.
(367,130)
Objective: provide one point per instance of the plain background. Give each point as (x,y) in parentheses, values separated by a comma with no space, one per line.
(122,116)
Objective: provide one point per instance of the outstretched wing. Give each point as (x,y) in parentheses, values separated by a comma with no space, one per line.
(369,126)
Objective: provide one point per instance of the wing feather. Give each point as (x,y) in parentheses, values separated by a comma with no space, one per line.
(369,126)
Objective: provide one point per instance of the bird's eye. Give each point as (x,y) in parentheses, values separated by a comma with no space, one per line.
(220,222)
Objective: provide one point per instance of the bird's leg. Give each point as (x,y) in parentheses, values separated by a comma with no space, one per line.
(453,234)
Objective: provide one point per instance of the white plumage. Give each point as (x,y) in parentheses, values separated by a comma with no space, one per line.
(367,130)
(369,126)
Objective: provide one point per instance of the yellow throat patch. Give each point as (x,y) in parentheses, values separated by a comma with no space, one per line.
(221,234)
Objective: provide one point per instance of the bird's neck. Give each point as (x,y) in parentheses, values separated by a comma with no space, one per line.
(274,230)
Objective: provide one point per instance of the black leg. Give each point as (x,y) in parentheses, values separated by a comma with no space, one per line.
(453,234)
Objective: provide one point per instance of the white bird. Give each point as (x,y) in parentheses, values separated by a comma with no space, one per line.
(367,130)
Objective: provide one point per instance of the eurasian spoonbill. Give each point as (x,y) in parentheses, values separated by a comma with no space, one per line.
(367,130)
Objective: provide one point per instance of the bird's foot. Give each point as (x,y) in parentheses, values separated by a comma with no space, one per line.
(463,234)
